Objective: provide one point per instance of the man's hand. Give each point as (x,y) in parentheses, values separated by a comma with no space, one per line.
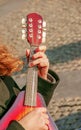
(36,120)
(40,59)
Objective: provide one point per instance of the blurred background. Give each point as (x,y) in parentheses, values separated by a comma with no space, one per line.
(63,41)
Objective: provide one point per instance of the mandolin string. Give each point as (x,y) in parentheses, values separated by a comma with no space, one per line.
(34,74)
(32,70)
(28,107)
(33,82)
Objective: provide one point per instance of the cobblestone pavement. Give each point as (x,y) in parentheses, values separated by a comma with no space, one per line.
(63,46)
(63,31)
(66,113)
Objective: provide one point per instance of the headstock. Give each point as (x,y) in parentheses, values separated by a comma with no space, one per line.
(34,27)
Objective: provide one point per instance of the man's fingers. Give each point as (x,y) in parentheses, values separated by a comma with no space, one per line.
(39,55)
(27,52)
(39,62)
(41,110)
(41,48)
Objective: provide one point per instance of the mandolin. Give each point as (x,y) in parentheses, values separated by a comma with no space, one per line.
(27,100)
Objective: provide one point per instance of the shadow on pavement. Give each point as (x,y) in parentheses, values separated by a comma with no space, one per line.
(64,53)
(70,122)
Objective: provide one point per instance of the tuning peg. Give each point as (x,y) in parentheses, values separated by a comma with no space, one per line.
(44,24)
(23,22)
(43,37)
(44,34)
(23,36)
(23,31)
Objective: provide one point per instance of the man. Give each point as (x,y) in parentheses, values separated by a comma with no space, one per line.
(47,82)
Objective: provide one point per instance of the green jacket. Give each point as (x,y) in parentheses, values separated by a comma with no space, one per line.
(9,90)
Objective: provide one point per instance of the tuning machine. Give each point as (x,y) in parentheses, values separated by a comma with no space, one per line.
(24,22)
(24,36)
(44,24)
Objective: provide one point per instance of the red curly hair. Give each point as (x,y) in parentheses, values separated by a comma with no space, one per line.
(8,63)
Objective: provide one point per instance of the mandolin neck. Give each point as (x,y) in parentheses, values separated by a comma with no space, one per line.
(32,81)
